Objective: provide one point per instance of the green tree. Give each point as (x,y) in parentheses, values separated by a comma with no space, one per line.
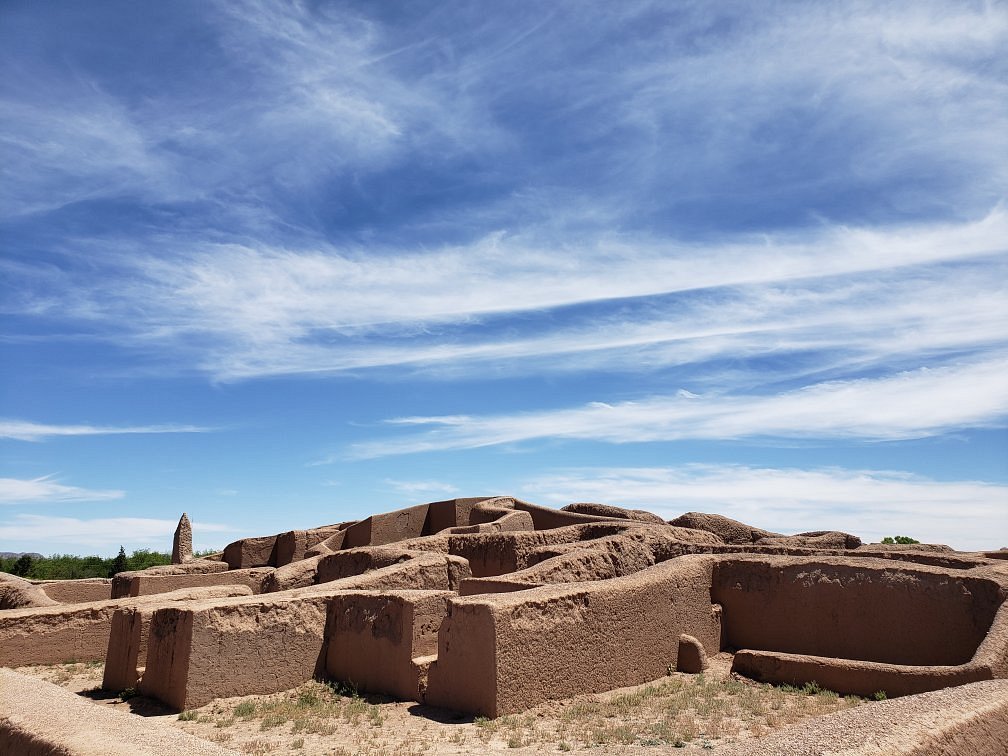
(22,566)
(119,563)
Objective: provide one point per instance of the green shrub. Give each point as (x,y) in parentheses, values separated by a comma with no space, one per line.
(904,540)
(245,709)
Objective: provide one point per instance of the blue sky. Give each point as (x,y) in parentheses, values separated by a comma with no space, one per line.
(286,264)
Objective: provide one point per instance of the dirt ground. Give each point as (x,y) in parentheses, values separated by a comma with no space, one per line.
(698,712)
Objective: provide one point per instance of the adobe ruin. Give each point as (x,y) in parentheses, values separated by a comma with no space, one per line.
(493,605)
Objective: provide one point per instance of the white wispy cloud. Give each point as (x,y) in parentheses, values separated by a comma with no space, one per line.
(869,503)
(906,405)
(421,487)
(101,534)
(238,312)
(45,490)
(24,430)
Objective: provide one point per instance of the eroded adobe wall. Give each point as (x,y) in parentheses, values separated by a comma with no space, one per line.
(18,593)
(76,632)
(563,640)
(77,591)
(251,552)
(140,584)
(868,610)
(374,638)
(494,554)
(266,643)
(127,645)
(853,677)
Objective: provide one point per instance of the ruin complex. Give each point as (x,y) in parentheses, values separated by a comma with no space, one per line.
(492,605)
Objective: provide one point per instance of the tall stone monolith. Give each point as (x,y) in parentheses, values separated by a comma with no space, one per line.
(182,543)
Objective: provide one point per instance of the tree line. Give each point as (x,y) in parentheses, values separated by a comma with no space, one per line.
(69,567)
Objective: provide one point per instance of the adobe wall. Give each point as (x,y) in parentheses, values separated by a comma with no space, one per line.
(202,651)
(602,558)
(546,518)
(853,677)
(411,522)
(77,591)
(350,562)
(202,565)
(373,639)
(139,584)
(381,529)
(506,652)
(18,593)
(869,611)
(251,552)
(76,632)
(293,545)
(127,644)
(494,554)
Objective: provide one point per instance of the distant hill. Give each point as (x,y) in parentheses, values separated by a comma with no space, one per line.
(19,554)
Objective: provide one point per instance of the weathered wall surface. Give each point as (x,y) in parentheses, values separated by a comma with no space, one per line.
(139,584)
(374,638)
(858,677)
(76,632)
(558,641)
(201,651)
(251,552)
(869,611)
(77,591)
(18,593)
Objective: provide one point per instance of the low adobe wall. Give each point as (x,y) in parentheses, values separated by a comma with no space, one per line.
(507,652)
(494,554)
(202,651)
(858,677)
(376,640)
(76,632)
(411,522)
(868,611)
(139,584)
(251,552)
(865,678)
(77,591)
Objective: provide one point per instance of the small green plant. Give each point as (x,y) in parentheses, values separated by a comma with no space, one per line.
(187,716)
(879,695)
(245,710)
(811,688)
(341,688)
(903,540)
(129,693)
